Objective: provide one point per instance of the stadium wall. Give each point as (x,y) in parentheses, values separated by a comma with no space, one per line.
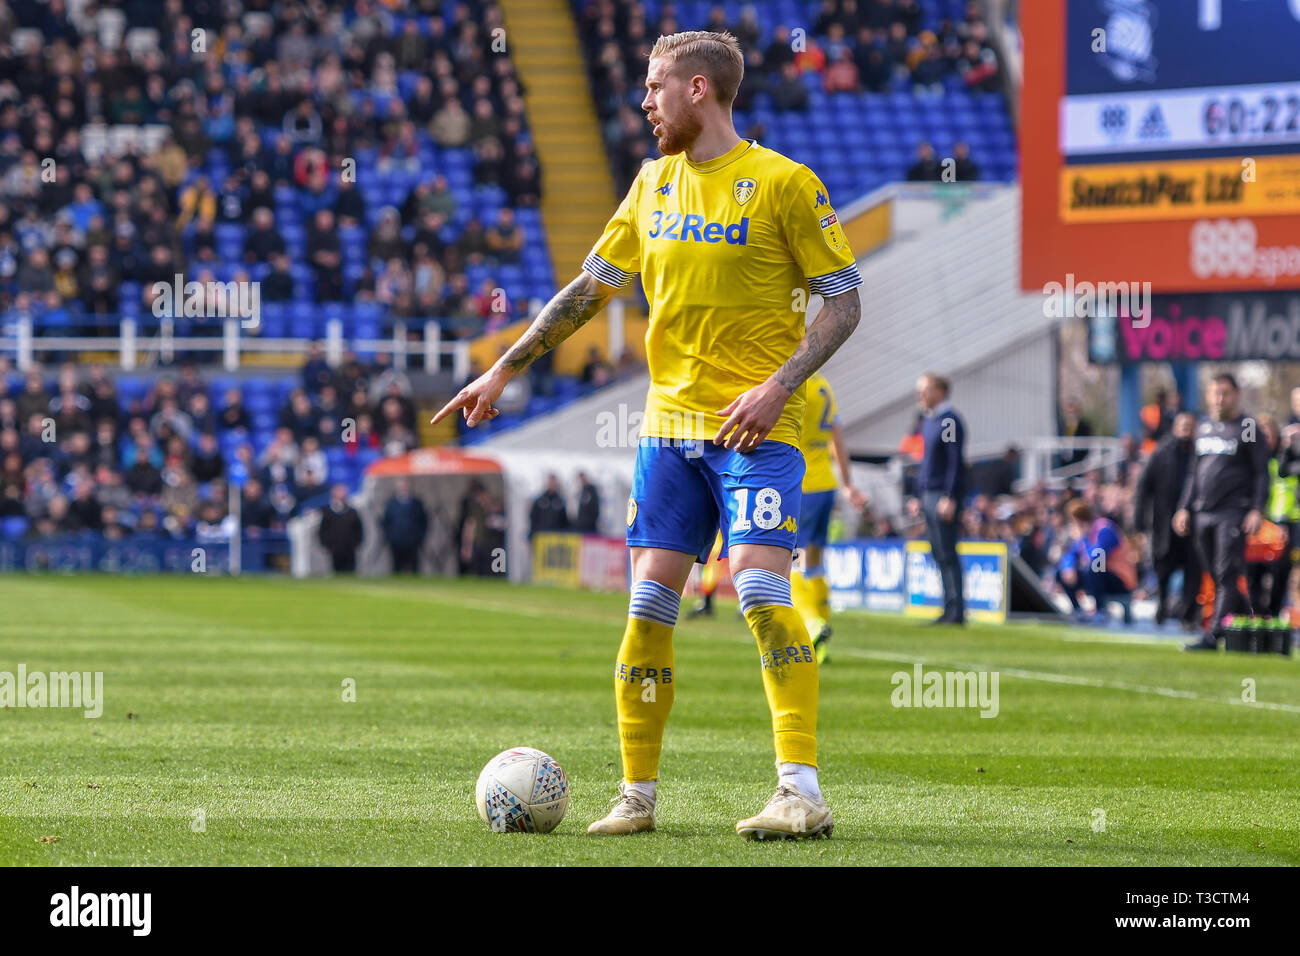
(945,296)
(1003,401)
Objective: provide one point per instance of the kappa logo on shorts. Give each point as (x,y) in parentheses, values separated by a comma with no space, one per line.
(631,511)
(789,524)
(832,232)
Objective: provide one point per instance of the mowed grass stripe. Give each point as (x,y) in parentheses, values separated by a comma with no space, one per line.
(450,672)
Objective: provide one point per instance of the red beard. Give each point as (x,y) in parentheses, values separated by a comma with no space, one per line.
(680,137)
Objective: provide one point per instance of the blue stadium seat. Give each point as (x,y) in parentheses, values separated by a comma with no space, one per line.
(13,527)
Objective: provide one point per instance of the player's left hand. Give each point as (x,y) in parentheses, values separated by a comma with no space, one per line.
(1253,522)
(751,417)
(856,497)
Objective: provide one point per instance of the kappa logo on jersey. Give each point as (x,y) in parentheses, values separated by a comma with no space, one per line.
(695,228)
(832,232)
(743,189)
(665,189)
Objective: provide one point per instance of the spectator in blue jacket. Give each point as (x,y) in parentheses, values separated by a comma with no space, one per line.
(405,524)
(941,485)
(1098,562)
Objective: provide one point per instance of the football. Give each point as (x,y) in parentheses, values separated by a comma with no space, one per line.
(522,790)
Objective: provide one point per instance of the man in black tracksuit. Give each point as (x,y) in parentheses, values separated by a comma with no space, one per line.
(1158,491)
(1223,498)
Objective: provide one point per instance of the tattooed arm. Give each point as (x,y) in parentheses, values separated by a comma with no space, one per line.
(831,329)
(755,413)
(570,309)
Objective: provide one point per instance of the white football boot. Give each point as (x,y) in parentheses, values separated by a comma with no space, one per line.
(632,813)
(789,815)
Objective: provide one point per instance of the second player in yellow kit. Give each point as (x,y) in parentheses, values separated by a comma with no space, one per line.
(824,453)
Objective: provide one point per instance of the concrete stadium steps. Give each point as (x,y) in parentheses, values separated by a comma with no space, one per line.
(443,433)
(577,188)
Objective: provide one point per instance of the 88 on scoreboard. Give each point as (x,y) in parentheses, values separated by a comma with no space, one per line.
(1169,143)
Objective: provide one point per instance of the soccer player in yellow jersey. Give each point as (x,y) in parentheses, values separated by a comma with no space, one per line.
(728,238)
(821,440)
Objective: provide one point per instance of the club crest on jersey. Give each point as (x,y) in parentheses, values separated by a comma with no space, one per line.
(832,231)
(743,189)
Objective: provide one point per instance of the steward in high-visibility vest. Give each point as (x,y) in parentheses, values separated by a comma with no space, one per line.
(1270,553)
(1283,500)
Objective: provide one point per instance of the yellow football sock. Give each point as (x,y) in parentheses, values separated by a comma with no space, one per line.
(811,598)
(643,679)
(789,664)
(821,594)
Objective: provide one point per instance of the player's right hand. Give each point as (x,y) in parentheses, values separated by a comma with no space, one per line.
(1182,523)
(475,400)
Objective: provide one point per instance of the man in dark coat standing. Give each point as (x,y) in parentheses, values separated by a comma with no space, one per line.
(549,512)
(340,531)
(941,485)
(588,516)
(1153,513)
(405,524)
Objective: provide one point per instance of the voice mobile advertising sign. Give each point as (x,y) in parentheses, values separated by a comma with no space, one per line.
(893,574)
(1228,327)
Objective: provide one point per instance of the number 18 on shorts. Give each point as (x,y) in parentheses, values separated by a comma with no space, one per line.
(684,490)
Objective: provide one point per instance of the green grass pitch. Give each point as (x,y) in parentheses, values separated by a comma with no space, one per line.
(226,697)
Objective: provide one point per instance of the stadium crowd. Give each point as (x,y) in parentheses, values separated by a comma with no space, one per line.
(77,456)
(853,46)
(1137,496)
(242,118)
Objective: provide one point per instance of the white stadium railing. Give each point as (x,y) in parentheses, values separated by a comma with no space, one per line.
(233,344)
(1038,457)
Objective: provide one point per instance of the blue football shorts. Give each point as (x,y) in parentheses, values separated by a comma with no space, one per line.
(815,518)
(685,490)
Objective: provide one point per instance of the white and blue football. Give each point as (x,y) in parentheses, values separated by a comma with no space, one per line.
(522,791)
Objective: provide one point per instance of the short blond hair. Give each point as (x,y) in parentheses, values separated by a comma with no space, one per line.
(715,55)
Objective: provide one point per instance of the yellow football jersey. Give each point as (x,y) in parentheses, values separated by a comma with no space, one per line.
(819,416)
(728,252)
